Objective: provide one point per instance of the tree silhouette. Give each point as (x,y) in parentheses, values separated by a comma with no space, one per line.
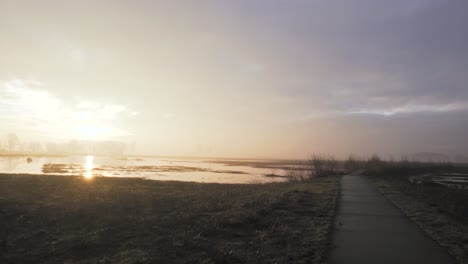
(13,141)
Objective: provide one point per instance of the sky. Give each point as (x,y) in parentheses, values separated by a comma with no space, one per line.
(244,78)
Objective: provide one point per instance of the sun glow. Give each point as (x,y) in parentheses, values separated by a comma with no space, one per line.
(59,116)
(91,131)
(89,165)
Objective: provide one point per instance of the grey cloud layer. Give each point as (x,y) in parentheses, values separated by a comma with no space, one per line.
(360,64)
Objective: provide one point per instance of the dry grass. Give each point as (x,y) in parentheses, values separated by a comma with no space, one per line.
(440,211)
(442,227)
(56,219)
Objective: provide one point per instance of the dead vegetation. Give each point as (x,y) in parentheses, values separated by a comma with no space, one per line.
(318,165)
(441,211)
(58,219)
(450,232)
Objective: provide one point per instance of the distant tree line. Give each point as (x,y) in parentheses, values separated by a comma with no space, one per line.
(12,144)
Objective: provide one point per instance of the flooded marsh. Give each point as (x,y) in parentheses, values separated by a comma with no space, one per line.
(152,168)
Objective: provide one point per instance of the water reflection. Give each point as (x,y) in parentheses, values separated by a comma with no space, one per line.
(89,167)
(152,168)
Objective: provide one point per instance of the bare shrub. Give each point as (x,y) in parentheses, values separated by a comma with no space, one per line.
(352,163)
(323,165)
(297,175)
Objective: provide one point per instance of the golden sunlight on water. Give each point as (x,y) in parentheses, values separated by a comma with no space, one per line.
(89,167)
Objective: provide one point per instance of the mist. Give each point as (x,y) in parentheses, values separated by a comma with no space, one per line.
(237,79)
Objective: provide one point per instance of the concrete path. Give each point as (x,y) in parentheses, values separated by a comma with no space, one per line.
(370,229)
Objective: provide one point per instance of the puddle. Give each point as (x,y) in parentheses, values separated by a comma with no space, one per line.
(451,180)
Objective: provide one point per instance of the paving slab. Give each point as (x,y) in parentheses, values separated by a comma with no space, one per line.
(370,229)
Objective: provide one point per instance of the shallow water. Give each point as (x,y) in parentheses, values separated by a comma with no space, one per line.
(195,170)
(451,180)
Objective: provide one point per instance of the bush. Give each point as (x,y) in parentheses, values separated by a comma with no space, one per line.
(318,165)
(323,165)
(352,163)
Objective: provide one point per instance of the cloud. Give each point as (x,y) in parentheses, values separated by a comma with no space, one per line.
(30,107)
(87,105)
(415,108)
(169,116)
(224,66)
